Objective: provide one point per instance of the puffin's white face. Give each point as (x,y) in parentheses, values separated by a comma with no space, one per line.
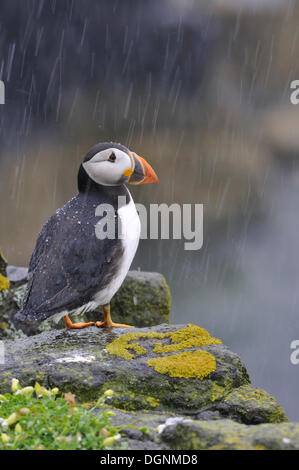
(114,166)
(110,167)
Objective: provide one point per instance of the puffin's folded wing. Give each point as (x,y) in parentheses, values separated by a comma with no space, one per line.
(68,266)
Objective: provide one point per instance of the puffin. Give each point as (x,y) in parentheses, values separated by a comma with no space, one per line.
(72,269)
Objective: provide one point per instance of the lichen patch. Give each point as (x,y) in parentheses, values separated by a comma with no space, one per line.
(4,283)
(197,364)
(184,338)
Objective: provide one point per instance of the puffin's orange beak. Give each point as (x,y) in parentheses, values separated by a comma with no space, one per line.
(142,171)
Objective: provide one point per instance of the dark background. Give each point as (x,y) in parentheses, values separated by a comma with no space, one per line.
(201,90)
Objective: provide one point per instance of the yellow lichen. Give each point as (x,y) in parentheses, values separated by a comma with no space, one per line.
(184,338)
(247,393)
(153,401)
(4,282)
(196,364)
(120,346)
(217,392)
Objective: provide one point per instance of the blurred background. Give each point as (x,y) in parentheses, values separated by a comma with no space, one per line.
(202,90)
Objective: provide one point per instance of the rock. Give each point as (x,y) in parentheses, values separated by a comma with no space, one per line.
(17,274)
(143,300)
(209,415)
(89,361)
(251,406)
(173,385)
(140,429)
(229,435)
(150,430)
(10,303)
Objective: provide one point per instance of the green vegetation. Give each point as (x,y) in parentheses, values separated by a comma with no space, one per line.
(41,419)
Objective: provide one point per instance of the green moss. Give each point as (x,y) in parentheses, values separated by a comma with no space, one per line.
(142,302)
(40,376)
(253,405)
(217,392)
(125,400)
(128,401)
(212,435)
(228,435)
(8,307)
(153,401)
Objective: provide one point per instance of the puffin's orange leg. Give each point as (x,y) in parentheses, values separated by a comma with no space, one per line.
(75,326)
(107,320)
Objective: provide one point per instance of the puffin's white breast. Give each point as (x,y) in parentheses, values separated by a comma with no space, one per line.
(129,237)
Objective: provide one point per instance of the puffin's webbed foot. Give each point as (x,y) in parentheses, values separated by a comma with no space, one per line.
(75,326)
(108,323)
(104,324)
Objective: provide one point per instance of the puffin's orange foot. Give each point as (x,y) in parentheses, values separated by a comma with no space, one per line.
(105,324)
(108,323)
(75,326)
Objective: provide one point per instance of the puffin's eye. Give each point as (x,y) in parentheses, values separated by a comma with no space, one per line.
(112,158)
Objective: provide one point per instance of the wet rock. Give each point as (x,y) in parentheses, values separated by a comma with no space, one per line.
(209,415)
(229,435)
(10,303)
(143,300)
(183,407)
(17,274)
(251,406)
(84,362)
(150,430)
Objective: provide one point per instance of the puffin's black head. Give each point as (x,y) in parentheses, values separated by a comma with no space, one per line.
(112,164)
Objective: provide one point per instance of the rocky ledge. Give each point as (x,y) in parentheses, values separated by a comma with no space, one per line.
(182,386)
(174,386)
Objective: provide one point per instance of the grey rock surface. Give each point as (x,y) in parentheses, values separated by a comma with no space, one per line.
(156,410)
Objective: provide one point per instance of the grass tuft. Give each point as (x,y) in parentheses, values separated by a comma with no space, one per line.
(34,418)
